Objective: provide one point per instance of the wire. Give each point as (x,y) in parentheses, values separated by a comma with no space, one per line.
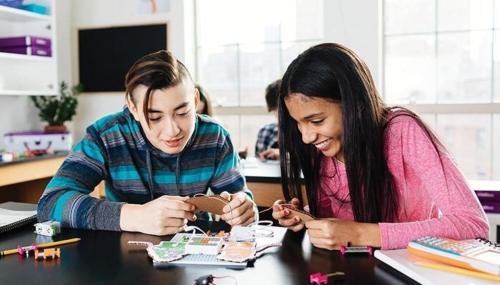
(227,276)
(187,228)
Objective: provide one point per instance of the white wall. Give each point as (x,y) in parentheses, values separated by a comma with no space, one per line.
(357,25)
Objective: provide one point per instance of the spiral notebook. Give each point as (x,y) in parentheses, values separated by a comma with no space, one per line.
(14,215)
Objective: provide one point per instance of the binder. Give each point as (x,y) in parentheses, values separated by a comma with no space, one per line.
(14,215)
(25,41)
(28,50)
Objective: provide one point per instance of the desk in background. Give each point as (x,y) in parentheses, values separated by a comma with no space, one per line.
(104,257)
(264,179)
(24,180)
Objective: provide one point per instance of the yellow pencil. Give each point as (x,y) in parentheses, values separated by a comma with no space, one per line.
(458,270)
(42,245)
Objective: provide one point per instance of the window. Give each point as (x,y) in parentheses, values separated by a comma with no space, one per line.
(240,52)
(442,59)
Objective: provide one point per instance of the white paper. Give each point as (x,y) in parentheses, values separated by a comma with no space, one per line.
(10,216)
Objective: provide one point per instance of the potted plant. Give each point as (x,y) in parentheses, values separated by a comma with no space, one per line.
(55,110)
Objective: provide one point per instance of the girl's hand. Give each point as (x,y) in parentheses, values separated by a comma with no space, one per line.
(333,233)
(241,210)
(283,216)
(162,216)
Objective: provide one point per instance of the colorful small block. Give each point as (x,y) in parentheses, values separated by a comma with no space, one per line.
(48,228)
(318,278)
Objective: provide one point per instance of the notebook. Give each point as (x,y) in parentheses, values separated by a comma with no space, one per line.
(14,215)
(405,263)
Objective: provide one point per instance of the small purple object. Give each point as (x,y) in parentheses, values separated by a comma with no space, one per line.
(26,249)
(356,249)
(33,50)
(318,278)
(491,207)
(25,41)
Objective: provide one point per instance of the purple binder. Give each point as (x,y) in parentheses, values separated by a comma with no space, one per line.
(40,51)
(25,41)
(485,195)
(491,207)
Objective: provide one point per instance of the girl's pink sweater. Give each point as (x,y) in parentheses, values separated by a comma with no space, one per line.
(434,198)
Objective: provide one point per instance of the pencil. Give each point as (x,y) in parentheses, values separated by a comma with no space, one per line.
(458,270)
(42,245)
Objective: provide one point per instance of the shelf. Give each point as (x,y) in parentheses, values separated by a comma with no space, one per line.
(19,15)
(28,75)
(28,92)
(16,56)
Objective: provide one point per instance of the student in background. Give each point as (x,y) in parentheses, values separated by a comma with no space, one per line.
(266,146)
(374,175)
(152,155)
(205,105)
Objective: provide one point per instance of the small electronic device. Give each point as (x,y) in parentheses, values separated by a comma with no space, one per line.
(48,228)
(356,249)
(476,255)
(238,251)
(204,280)
(303,215)
(319,278)
(204,245)
(48,253)
(212,204)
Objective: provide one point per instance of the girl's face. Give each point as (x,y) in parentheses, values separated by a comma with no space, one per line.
(172,115)
(319,121)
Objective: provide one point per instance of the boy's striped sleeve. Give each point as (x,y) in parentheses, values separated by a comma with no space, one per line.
(227,175)
(66,198)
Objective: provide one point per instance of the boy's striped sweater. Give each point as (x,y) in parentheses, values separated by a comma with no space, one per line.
(114,149)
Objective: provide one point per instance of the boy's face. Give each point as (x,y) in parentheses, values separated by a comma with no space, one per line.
(171,112)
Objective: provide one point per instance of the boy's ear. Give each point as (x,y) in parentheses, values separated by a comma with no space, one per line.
(132,108)
(196,97)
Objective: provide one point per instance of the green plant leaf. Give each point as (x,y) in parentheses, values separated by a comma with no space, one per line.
(55,110)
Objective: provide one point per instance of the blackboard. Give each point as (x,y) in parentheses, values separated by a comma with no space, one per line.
(106,54)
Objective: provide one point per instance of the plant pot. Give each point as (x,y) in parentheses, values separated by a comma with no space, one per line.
(55,129)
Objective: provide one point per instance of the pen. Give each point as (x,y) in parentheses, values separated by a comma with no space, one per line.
(453,269)
(42,245)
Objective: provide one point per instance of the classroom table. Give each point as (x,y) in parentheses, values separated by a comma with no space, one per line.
(264,179)
(104,257)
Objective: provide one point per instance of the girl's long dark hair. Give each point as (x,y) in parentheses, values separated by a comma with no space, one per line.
(337,74)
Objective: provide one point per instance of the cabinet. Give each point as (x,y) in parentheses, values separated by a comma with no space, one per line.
(28,74)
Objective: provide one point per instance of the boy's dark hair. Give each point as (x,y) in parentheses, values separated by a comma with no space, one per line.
(272,95)
(158,70)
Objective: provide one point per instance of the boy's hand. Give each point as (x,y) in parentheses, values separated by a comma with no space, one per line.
(240,210)
(162,216)
(270,153)
(283,216)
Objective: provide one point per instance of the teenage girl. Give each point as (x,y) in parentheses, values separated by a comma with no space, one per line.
(373,175)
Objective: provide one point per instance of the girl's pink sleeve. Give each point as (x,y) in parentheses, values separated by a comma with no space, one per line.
(433,182)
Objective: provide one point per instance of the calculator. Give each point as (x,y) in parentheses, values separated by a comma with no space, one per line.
(475,254)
